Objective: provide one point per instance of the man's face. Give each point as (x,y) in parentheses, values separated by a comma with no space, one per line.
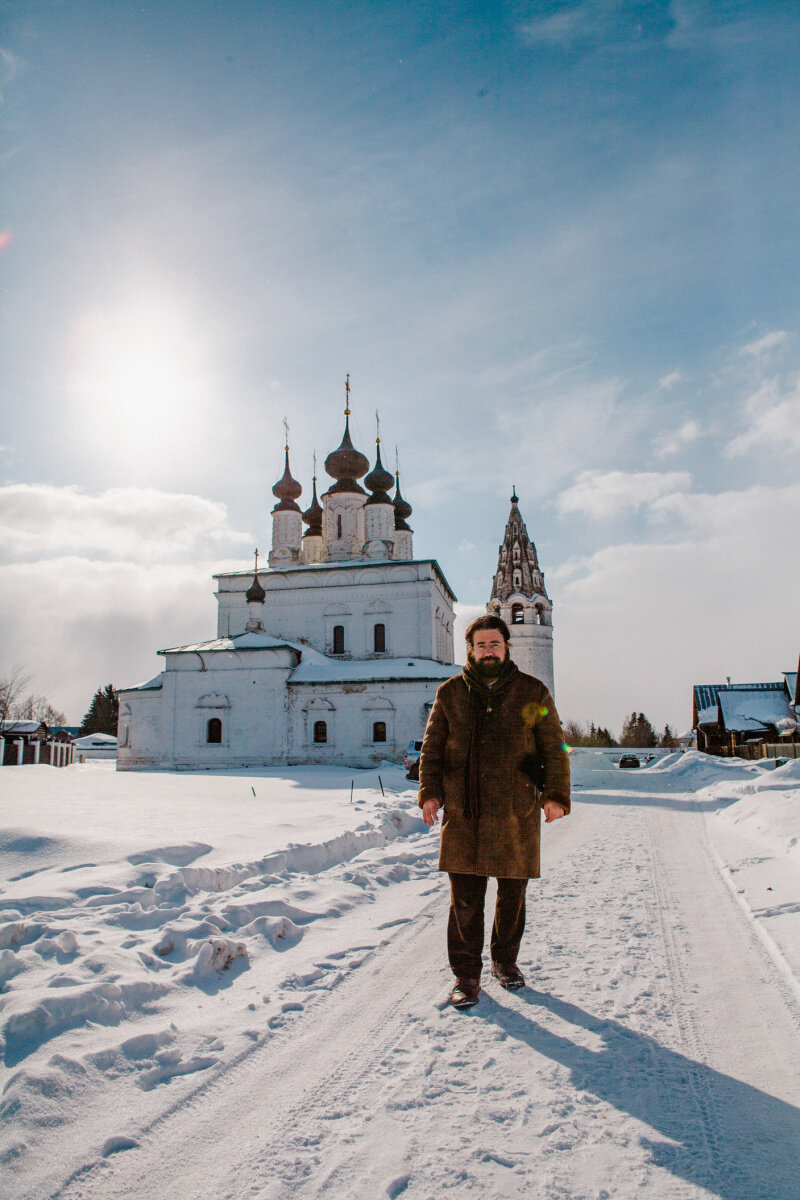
(488,650)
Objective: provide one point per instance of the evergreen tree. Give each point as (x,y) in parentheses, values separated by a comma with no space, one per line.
(668,739)
(103,713)
(638,732)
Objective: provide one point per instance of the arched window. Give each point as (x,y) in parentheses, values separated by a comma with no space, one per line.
(338,639)
(517,579)
(516,552)
(339,525)
(320,733)
(214,731)
(517,614)
(379,731)
(380,639)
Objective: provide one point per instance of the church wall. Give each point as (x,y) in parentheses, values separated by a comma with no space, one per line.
(142,743)
(245,692)
(265,722)
(350,712)
(408,599)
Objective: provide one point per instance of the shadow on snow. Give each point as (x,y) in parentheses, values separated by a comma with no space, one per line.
(724,1135)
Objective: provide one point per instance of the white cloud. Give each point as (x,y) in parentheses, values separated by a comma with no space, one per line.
(590,19)
(10,66)
(77,624)
(604,494)
(668,381)
(637,625)
(137,524)
(676,439)
(465,615)
(766,343)
(774,421)
(94,584)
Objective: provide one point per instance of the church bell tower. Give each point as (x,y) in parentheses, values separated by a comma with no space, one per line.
(519,596)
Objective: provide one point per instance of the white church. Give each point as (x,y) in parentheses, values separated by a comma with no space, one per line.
(333,654)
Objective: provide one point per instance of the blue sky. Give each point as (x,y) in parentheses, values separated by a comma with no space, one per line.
(554,245)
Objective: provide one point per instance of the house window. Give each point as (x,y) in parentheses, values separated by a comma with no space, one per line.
(214,731)
(380,639)
(338,639)
(379,731)
(320,733)
(517,614)
(339,526)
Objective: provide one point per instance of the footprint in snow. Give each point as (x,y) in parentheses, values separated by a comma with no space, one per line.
(113,1145)
(397,1186)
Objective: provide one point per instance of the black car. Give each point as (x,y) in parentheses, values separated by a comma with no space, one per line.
(628,760)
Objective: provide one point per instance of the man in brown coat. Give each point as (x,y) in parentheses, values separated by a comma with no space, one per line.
(493,759)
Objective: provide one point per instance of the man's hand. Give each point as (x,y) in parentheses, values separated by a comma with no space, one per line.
(430,810)
(552,811)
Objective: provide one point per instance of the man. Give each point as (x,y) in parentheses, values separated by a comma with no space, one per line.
(493,759)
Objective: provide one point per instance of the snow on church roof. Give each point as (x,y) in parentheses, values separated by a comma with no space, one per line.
(241,641)
(334,670)
(315,667)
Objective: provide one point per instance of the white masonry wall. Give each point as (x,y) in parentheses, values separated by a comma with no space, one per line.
(305,603)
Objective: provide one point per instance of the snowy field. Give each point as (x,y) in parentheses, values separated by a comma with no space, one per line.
(232,986)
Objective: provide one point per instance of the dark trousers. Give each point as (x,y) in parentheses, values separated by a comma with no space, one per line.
(465,923)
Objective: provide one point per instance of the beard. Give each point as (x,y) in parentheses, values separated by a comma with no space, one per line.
(487,668)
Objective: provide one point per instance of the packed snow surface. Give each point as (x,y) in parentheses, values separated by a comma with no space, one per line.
(234,985)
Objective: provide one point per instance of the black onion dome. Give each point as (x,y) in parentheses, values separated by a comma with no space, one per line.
(514,496)
(312,517)
(402,509)
(378,480)
(346,464)
(255,594)
(287,490)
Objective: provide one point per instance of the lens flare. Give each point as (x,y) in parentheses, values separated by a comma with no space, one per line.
(6,236)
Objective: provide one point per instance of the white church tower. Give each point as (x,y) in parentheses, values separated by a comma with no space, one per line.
(519,596)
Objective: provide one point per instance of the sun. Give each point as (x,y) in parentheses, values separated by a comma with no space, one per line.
(138,377)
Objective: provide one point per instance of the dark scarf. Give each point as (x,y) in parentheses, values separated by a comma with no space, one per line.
(482,696)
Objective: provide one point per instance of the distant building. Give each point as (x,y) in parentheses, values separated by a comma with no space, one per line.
(95,745)
(332,655)
(30,743)
(729,718)
(520,597)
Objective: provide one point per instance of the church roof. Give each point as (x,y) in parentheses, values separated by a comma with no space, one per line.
(315,667)
(346,464)
(240,641)
(402,509)
(312,517)
(255,594)
(287,489)
(517,555)
(379,479)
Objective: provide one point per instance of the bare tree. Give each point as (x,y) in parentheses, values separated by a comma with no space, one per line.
(12,687)
(38,708)
(15,705)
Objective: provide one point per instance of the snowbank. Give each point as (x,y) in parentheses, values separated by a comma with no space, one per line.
(156,927)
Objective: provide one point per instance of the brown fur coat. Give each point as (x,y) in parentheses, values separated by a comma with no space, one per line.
(515,728)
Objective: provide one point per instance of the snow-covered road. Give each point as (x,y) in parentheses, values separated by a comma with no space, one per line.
(653,1053)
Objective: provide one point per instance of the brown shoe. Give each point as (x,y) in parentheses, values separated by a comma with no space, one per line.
(465,992)
(508,975)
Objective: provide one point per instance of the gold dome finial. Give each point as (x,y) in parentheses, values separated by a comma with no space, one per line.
(347,395)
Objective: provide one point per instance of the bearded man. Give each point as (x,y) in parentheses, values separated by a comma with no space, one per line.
(493,759)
